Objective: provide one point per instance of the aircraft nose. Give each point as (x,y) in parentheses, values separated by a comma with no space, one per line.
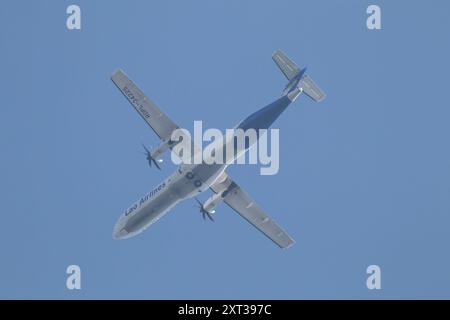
(119,234)
(119,231)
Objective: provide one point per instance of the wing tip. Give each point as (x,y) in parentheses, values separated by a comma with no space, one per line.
(278,51)
(322,98)
(116,72)
(288,245)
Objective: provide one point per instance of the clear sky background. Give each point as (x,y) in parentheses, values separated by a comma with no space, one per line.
(364,176)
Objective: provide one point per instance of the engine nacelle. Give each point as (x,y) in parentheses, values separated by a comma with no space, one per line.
(212,202)
(162,147)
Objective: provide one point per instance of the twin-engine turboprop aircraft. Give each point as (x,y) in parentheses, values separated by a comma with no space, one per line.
(191,179)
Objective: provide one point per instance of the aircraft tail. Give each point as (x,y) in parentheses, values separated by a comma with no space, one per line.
(298,80)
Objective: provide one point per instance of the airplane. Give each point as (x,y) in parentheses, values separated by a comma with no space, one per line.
(191,179)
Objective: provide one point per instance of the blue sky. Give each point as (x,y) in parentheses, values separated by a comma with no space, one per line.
(364,176)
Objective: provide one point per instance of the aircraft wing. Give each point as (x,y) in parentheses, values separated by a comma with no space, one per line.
(311,89)
(161,124)
(242,203)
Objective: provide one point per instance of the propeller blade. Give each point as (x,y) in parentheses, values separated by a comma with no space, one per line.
(150,158)
(203,211)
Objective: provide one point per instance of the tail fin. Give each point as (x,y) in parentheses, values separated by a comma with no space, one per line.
(297,77)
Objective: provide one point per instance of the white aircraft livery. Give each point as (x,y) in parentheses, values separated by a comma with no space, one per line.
(192,178)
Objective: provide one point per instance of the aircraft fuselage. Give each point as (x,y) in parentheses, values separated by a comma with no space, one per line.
(190,179)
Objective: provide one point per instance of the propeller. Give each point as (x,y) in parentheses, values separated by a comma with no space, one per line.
(203,211)
(150,159)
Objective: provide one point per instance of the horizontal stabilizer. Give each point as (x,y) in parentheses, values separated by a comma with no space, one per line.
(311,89)
(298,80)
(286,65)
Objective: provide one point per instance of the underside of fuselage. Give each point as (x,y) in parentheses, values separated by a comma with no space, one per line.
(189,180)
